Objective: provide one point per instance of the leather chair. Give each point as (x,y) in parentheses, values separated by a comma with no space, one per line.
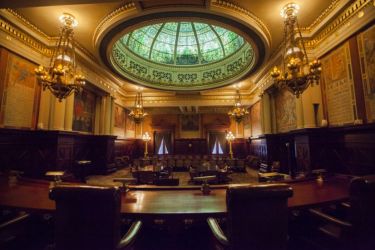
(88,217)
(256,219)
(359,227)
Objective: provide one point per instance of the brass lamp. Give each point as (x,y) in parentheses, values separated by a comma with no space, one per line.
(230,138)
(146,138)
(297,72)
(61,77)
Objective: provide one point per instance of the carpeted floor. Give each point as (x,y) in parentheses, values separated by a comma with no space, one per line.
(250,176)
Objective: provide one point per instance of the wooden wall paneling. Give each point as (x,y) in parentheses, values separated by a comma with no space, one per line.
(15,150)
(182,146)
(103,154)
(125,147)
(239,148)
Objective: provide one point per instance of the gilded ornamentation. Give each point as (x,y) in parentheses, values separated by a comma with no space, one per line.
(239,9)
(110,16)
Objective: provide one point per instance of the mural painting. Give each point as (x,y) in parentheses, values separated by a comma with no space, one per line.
(337,82)
(84,111)
(366,46)
(255,117)
(119,121)
(286,117)
(189,122)
(130,126)
(246,121)
(20,96)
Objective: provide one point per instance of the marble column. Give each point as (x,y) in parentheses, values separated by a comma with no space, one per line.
(112,125)
(308,109)
(69,106)
(262,113)
(299,111)
(97,115)
(108,116)
(267,113)
(59,115)
(44,110)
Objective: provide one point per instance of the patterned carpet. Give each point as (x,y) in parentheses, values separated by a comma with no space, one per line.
(250,176)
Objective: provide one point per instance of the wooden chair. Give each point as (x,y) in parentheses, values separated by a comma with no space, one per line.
(256,218)
(187,164)
(231,164)
(88,217)
(240,166)
(358,228)
(146,177)
(195,163)
(136,162)
(171,163)
(193,174)
(179,164)
(11,229)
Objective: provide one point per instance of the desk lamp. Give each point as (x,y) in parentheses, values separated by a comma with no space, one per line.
(57,179)
(205,186)
(13,174)
(125,182)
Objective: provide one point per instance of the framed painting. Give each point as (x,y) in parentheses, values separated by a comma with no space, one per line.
(286,116)
(255,119)
(84,111)
(189,122)
(119,121)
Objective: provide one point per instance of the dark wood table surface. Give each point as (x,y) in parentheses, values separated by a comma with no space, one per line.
(177,200)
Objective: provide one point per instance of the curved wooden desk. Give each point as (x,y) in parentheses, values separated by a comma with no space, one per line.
(183,204)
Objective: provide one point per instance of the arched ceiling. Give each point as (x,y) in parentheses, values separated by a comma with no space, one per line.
(103,22)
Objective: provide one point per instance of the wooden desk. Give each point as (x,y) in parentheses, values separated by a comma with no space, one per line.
(183,202)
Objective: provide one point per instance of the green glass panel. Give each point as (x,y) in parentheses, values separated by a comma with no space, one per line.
(183,43)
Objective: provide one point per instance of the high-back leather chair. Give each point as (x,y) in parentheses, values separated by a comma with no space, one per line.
(359,227)
(88,217)
(257,217)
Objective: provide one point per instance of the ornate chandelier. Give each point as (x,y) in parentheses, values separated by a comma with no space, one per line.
(238,112)
(298,73)
(60,77)
(138,114)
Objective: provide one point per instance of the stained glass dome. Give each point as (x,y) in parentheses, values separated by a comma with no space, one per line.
(183,43)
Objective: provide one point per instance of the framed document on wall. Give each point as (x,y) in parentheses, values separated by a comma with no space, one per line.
(20,93)
(338,87)
(366,47)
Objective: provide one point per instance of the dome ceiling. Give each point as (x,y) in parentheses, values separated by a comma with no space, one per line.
(180,50)
(183,43)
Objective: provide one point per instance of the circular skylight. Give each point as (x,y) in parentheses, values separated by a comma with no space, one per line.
(183,43)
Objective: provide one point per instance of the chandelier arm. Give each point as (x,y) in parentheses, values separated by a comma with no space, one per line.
(73,58)
(303,44)
(284,54)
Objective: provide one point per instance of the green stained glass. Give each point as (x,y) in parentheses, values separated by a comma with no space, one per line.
(183,43)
